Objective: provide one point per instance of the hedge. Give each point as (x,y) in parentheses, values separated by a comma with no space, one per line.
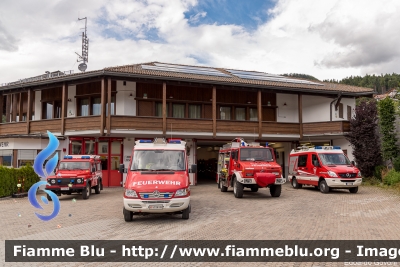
(10,178)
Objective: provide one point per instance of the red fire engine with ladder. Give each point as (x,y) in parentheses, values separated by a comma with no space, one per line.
(242,165)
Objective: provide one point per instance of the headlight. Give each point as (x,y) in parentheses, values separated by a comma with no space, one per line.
(181,192)
(79,180)
(359,174)
(130,193)
(52,181)
(332,174)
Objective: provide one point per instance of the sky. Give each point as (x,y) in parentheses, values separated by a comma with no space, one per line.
(329,39)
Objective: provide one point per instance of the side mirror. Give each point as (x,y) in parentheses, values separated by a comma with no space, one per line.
(93,169)
(316,163)
(121,168)
(193,168)
(353,163)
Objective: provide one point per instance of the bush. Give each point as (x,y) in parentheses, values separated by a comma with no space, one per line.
(396,164)
(10,178)
(392,177)
(378,172)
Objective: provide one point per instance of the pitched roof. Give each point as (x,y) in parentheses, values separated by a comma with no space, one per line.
(391,93)
(201,74)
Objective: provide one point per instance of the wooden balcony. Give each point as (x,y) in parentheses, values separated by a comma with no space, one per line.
(237,126)
(13,128)
(43,126)
(280,128)
(189,125)
(137,123)
(326,127)
(82,123)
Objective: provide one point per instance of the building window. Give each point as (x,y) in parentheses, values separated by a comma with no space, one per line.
(96,106)
(51,110)
(6,157)
(225,113)
(341,110)
(253,114)
(302,161)
(159,109)
(240,114)
(348,113)
(83,107)
(178,110)
(26,156)
(112,106)
(194,111)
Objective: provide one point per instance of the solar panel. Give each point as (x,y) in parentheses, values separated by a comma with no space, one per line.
(183,69)
(253,75)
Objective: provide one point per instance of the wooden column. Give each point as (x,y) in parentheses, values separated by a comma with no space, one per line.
(8,108)
(15,158)
(20,110)
(14,108)
(109,107)
(64,106)
(29,111)
(300,101)
(164,108)
(103,106)
(214,110)
(259,110)
(1,108)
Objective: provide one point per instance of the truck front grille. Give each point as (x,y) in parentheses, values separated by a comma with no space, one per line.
(156,195)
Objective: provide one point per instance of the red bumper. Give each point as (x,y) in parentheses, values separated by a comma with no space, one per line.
(263,179)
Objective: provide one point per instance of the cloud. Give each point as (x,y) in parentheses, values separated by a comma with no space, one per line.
(327,39)
(7,41)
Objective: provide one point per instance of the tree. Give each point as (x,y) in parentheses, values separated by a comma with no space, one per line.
(387,118)
(364,138)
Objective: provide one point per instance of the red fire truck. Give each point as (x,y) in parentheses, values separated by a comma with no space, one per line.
(157,179)
(242,165)
(76,174)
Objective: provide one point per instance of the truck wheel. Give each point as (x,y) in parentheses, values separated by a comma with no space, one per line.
(353,190)
(275,190)
(323,187)
(185,213)
(49,197)
(97,188)
(222,187)
(86,191)
(295,184)
(254,189)
(127,215)
(237,189)
(101,184)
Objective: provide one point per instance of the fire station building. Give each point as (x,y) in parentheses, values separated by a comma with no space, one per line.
(103,111)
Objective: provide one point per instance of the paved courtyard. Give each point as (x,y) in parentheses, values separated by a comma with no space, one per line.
(303,214)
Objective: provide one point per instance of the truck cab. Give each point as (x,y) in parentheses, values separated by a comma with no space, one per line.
(324,167)
(157,179)
(242,165)
(76,174)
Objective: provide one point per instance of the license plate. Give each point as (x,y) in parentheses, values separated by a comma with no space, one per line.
(349,183)
(65,188)
(279,181)
(156,207)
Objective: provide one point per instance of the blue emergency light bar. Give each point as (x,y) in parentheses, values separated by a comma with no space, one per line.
(175,141)
(266,143)
(318,147)
(336,147)
(145,141)
(67,157)
(85,157)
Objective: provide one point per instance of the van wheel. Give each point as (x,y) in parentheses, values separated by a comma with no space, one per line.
(127,215)
(222,187)
(323,187)
(295,184)
(275,190)
(353,190)
(237,189)
(254,189)
(101,184)
(97,187)
(86,191)
(185,213)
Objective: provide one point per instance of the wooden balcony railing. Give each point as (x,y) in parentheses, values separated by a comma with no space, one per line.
(43,126)
(13,128)
(137,123)
(326,127)
(280,128)
(82,123)
(189,125)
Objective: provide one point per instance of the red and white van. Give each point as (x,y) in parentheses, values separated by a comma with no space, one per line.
(157,179)
(325,167)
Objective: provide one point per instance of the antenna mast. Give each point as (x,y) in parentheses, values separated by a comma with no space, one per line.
(85,49)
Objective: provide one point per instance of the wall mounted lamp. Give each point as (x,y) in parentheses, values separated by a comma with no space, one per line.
(130,95)
(69,100)
(171,96)
(285,104)
(144,95)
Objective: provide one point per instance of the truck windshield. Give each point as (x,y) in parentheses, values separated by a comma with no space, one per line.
(158,160)
(334,159)
(77,165)
(256,154)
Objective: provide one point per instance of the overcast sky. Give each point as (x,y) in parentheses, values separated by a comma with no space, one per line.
(329,39)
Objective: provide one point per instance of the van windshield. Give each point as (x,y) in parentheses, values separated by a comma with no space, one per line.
(256,154)
(158,160)
(76,165)
(334,159)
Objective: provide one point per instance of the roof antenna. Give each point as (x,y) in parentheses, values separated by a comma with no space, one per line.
(85,49)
